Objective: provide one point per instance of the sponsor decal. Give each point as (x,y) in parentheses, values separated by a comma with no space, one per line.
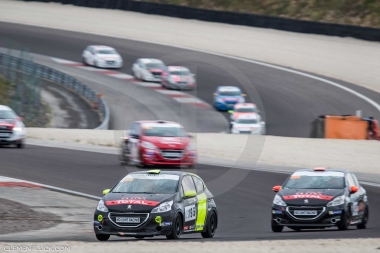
(128,179)
(276,211)
(199,226)
(158,219)
(335,212)
(133,202)
(100,217)
(308,195)
(295,177)
(133,198)
(306,201)
(165,224)
(129,207)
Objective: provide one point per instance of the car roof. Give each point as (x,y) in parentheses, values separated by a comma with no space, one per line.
(177,68)
(245,105)
(250,115)
(150,60)
(325,170)
(228,88)
(5,108)
(171,172)
(101,47)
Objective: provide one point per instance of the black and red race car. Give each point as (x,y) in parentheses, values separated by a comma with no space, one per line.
(156,203)
(320,198)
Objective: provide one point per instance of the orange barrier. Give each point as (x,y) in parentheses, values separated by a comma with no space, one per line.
(345,127)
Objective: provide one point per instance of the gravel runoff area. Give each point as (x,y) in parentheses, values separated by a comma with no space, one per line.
(16,217)
(345,59)
(355,155)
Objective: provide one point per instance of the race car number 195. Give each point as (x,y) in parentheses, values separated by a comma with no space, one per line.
(190,213)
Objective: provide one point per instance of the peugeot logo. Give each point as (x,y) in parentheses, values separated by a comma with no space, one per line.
(129,207)
(306,201)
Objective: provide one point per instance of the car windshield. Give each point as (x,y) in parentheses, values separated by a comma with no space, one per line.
(6,114)
(147,183)
(246,109)
(229,93)
(164,131)
(106,51)
(155,65)
(246,121)
(329,181)
(180,73)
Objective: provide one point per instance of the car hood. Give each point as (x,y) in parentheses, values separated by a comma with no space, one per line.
(309,197)
(231,98)
(126,202)
(168,142)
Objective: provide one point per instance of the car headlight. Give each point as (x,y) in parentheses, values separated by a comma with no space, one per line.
(17,129)
(164,207)
(337,201)
(148,145)
(278,201)
(101,206)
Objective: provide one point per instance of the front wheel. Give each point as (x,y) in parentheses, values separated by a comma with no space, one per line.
(363,225)
(20,145)
(277,228)
(345,222)
(177,228)
(211,227)
(102,237)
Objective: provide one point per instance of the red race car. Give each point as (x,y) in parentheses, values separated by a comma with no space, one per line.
(157,143)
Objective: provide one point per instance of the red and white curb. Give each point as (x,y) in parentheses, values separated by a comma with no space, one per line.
(13,182)
(180,97)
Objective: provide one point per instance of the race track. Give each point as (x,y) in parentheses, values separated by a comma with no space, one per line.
(289,101)
(244,211)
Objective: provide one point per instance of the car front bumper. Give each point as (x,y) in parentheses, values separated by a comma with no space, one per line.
(149,228)
(13,138)
(331,216)
(116,64)
(154,157)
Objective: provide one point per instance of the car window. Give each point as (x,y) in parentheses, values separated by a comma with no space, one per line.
(246,109)
(181,192)
(247,121)
(356,181)
(7,114)
(310,180)
(350,180)
(198,185)
(188,184)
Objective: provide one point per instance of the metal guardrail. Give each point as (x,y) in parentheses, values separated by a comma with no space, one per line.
(67,81)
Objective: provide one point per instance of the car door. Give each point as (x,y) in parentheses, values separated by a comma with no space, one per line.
(190,205)
(354,197)
(134,140)
(202,204)
(362,197)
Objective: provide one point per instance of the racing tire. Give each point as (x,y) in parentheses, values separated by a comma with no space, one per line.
(102,237)
(177,228)
(277,228)
(345,222)
(363,225)
(20,145)
(210,227)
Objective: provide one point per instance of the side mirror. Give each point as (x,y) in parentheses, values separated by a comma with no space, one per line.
(354,189)
(277,188)
(190,194)
(230,111)
(244,95)
(106,191)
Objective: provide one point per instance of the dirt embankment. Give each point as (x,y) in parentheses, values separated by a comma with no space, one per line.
(348,12)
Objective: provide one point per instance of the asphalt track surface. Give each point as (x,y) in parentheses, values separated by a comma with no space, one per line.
(289,102)
(244,211)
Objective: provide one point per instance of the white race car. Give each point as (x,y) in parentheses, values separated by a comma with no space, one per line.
(12,129)
(177,77)
(248,124)
(244,108)
(102,57)
(149,70)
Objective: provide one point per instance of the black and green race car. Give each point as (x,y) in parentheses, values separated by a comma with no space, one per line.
(156,203)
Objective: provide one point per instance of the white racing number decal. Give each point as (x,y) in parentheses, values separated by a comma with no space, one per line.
(190,213)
